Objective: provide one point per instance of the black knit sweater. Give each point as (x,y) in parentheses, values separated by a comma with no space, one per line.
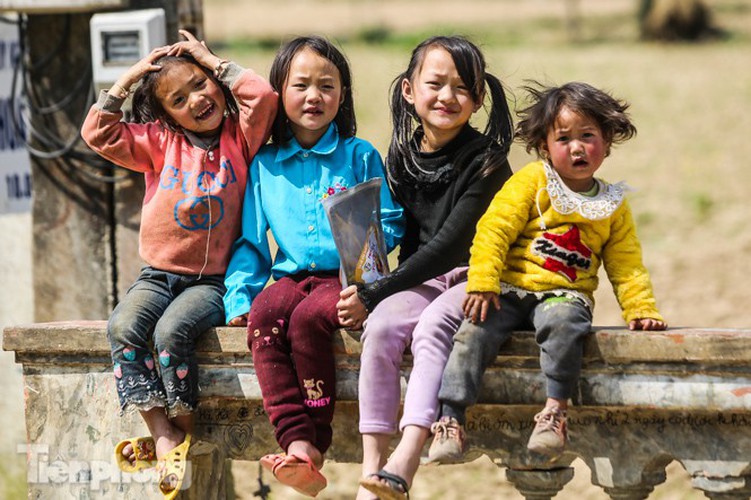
(442,206)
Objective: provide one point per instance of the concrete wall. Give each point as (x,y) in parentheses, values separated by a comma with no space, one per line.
(16,307)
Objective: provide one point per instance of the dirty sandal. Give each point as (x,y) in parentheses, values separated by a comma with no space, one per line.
(299,473)
(144,452)
(269,461)
(394,488)
(172,469)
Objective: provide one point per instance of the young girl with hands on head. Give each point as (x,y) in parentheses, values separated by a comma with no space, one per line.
(535,259)
(314,153)
(444,173)
(198,121)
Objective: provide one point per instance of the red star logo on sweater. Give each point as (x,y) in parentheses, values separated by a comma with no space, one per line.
(563,253)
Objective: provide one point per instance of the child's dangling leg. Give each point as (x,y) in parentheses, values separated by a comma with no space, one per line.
(476,345)
(137,380)
(561,325)
(197,307)
(311,326)
(289,333)
(178,309)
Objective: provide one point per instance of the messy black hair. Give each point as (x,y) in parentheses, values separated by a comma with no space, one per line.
(546,102)
(148,108)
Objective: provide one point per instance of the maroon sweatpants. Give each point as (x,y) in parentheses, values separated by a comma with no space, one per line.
(289,333)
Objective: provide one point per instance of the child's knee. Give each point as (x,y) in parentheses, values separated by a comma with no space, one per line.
(471,333)
(122,330)
(563,313)
(313,317)
(267,315)
(383,343)
(273,335)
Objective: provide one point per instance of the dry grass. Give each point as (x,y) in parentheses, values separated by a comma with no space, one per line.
(342,18)
(688,165)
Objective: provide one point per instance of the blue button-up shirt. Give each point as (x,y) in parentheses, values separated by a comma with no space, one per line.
(286,185)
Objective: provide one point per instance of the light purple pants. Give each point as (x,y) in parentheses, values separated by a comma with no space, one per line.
(427,316)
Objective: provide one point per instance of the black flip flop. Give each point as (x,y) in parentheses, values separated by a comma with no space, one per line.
(395,488)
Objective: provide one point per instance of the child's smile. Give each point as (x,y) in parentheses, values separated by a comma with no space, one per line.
(207,112)
(191,98)
(440,97)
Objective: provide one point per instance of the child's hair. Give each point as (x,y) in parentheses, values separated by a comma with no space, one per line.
(148,108)
(345,116)
(470,64)
(538,118)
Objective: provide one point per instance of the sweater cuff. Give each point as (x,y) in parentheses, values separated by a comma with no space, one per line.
(628,316)
(108,102)
(231,74)
(365,297)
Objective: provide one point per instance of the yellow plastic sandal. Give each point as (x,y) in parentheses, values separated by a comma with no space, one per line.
(172,468)
(144,450)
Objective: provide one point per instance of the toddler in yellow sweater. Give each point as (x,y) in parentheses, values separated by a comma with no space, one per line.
(535,256)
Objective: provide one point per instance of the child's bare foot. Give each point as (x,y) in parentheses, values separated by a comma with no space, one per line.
(167,442)
(298,468)
(306,449)
(134,454)
(129,453)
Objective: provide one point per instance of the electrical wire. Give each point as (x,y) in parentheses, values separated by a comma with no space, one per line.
(77,162)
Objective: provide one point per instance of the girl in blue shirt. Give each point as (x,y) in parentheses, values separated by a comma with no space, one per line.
(314,153)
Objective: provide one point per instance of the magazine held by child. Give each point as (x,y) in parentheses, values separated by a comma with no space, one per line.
(355,218)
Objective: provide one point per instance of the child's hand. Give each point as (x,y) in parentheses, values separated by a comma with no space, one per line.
(133,74)
(350,310)
(477,303)
(646,324)
(241,320)
(196,49)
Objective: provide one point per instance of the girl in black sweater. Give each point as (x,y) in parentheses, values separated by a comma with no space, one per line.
(444,173)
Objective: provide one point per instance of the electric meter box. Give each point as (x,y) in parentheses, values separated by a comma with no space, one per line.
(121,39)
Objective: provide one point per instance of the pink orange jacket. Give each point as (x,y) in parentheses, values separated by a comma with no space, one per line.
(192,208)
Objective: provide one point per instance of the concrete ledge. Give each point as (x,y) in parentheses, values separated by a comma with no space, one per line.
(701,346)
(644,399)
(705,369)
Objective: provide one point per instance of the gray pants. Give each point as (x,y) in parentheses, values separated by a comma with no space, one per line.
(560,323)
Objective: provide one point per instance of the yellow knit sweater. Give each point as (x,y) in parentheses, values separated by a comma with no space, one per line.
(539,236)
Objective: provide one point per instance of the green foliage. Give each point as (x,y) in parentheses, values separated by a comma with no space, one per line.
(375,34)
(702,205)
(644,219)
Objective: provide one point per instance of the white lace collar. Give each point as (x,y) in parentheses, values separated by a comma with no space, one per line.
(600,206)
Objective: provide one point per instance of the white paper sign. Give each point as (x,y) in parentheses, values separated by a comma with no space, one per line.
(15,167)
